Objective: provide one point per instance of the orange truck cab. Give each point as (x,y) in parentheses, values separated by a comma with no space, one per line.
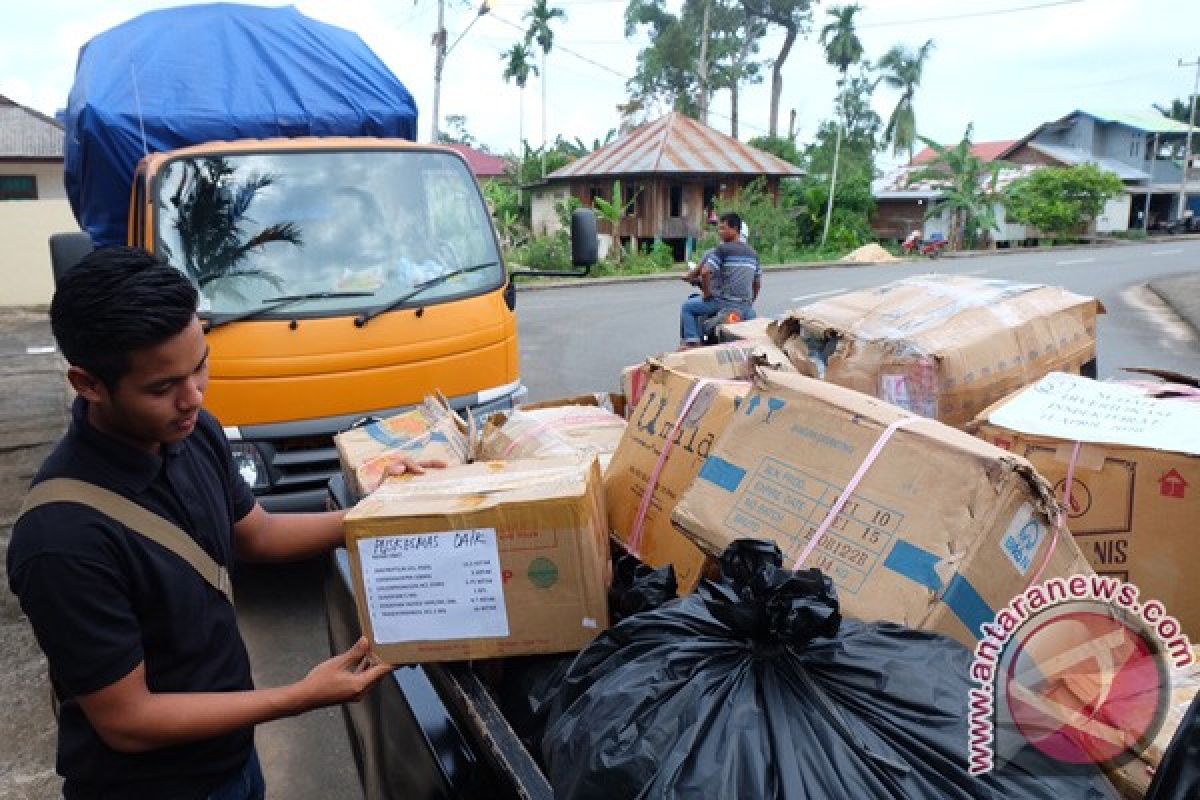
(339,280)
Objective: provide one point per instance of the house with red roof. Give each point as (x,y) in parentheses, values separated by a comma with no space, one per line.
(485,166)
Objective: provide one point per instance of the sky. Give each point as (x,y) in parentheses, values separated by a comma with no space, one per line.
(1004,65)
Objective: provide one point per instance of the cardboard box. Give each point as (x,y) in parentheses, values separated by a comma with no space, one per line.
(941,346)
(943,530)
(728,361)
(610,401)
(1135,497)
(430,431)
(567,430)
(651,425)
(746,329)
(1133,777)
(482,561)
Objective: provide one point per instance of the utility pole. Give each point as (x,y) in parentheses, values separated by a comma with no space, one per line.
(439,58)
(439,61)
(1187,147)
(703,66)
(1150,184)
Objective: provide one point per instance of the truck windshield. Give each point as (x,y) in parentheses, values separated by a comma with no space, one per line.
(351,230)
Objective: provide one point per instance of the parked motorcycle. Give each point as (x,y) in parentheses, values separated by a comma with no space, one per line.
(932,248)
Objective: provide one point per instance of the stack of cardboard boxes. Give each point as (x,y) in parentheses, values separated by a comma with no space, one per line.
(849,421)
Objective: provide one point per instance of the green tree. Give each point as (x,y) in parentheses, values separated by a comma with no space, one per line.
(518,66)
(612,213)
(211,218)
(902,70)
(540,16)
(969,190)
(1061,199)
(455,132)
(1178,110)
(794,17)
(842,49)
(666,74)
(779,146)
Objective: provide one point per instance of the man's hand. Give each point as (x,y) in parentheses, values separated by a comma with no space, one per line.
(407,465)
(342,679)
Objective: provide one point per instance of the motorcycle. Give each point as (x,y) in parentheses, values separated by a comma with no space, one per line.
(711,325)
(932,248)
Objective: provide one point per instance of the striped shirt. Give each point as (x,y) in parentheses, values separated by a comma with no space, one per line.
(734,267)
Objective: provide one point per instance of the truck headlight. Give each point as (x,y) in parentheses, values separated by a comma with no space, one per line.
(250,464)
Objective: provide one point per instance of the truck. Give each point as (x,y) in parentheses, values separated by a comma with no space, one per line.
(344,271)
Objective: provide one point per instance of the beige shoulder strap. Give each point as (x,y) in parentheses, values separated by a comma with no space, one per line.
(131,515)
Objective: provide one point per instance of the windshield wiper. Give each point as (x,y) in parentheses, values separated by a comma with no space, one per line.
(276,303)
(370,314)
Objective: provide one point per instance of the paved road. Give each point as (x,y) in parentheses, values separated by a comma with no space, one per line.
(576,339)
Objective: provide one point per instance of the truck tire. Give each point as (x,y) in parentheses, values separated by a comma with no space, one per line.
(67,250)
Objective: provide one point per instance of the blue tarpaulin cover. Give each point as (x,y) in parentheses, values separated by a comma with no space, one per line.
(188,75)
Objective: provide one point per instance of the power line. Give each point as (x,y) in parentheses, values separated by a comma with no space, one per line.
(969,14)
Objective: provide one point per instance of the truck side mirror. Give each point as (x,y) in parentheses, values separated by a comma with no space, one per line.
(68,249)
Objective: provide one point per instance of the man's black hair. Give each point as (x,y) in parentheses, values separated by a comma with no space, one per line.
(732,220)
(118,300)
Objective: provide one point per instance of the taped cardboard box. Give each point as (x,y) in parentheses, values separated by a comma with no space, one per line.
(430,431)
(942,531)
(941,346)
(564,430)
(635,470)
(1135,496)
(728,361)
(482,561)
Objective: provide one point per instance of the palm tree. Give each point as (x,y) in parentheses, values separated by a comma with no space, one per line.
(969,191)
(540,16)
(210,217)
(902,70)
(842,49)
(518,67)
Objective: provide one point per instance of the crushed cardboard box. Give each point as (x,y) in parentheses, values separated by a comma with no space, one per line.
(746,329)
(485,560)
(942,346)
(732,361)
(653,425)
(563,430)
(431,431)
(1135,495)
(942,531)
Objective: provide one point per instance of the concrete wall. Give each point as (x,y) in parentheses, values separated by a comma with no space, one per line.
(49,177)
(544,216)
(25,228)
(1115,216)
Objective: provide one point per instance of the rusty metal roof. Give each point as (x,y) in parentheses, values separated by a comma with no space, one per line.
(674,145)
(26,134)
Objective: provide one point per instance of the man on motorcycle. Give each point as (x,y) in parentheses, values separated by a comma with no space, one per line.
(729,277)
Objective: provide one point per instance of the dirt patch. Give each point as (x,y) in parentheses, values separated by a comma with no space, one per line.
(869,254)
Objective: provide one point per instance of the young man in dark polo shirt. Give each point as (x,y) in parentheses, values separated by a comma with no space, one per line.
(729,277)
(145,656)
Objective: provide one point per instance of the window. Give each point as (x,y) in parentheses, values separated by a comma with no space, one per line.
(596,191)
(18,187)
(676,201)
(633,199)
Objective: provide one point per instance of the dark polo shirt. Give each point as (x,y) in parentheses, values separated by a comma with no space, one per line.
(101,599)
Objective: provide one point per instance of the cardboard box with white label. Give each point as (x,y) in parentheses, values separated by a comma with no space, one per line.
(482,561)
(1134,496)
(941,532)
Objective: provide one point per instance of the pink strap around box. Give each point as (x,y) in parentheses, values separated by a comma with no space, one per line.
(1060,519)
(850,487)
(634,545)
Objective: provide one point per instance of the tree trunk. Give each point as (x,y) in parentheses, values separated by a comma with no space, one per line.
(543,81)
(743,55)
(777,77)
(733,108)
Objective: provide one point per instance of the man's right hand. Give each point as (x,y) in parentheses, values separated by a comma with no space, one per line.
(344,678)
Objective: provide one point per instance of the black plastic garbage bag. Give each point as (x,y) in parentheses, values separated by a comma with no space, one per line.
(1178,776)
(527,684)
(754,688)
